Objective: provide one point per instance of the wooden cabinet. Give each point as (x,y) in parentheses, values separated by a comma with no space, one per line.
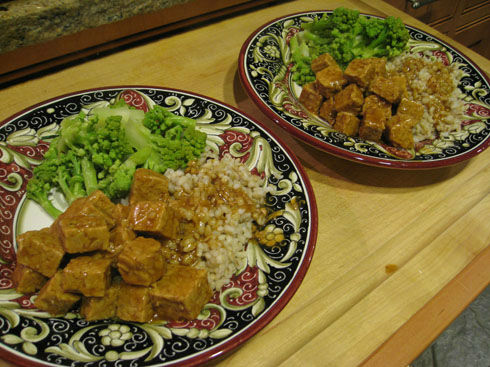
(466,21)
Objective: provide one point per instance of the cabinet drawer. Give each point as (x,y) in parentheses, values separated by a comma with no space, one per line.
(432,12)
(474,14)
(474,33)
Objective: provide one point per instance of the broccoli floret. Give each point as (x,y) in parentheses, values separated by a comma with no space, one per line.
(102,150)
(345,35)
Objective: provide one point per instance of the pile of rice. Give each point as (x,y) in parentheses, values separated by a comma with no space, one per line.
(220,201)
(435,86)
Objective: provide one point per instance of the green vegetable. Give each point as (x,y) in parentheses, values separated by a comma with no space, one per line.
(345,35)
(103,150)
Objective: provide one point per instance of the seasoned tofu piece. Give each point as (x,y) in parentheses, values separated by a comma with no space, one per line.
(119,236)
(148,185)
(401,135)
(323,61)
(83,233)
(40,250)
(327,110)
(96,204)
(360,71)
(310,98)
(53,298)
(347,123)
(134,303)
(98,308)
(390,88)
(181,293)
(27,280)
(121,213)
(156,218)
(88,275)
(373,124)
(410,108)
(349,99)
(379,65)
(330,81)
(400,119)
(374,101)
(141,261)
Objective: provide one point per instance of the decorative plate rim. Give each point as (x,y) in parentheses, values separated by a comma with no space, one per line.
(222,348)
(342,153)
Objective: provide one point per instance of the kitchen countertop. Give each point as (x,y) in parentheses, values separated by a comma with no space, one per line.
(27,22)
(429,228)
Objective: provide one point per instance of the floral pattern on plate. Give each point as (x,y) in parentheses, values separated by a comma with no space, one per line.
(265,70)
(265,283)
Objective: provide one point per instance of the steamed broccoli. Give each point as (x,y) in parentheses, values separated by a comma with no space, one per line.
(101,151)
(345,35)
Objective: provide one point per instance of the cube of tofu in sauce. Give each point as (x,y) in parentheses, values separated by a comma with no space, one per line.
(349,99)
(83,233)
(373,124)
(156,218)
(323,61)
(87,275)
(27,280)
(53,298)
(98,308)
(310,97)
(412,109)
(360,71)
(181,293)
(327,110)
(148,186)
(96,204)
(134,303)
(374,101)
(330,81)
(141,261)
(391,88)
(40,250)
(401,135)
(347,123)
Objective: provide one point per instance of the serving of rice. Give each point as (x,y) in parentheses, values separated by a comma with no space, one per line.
(220,201)
(434,85)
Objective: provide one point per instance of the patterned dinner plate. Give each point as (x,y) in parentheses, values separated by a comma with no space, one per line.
(253,297)
(265,70)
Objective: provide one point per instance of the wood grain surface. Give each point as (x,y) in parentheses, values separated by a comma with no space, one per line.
(389,241)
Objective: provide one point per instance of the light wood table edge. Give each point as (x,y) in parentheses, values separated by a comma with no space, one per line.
(430,321)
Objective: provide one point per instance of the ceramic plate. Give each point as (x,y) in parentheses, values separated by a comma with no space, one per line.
(265,70)
(239,310)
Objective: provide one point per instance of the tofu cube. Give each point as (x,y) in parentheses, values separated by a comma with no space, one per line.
(40,250)
(83,233)
(148,185)
(374,101)
(88,275)
(310,98)
(96,204)
(327,110)
(401,136)
(27,280)
(155,218)
(98,308)
(323,61)
(390,88)
(141,261)
(134,303)
(373,124)
(347,123)
(330,81)
(181,293)
(119,236)
(349,99)
(53,298)
(410,108)
(360,71)
(379,65)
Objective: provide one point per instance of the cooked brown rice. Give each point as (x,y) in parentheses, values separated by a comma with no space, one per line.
(434,85)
